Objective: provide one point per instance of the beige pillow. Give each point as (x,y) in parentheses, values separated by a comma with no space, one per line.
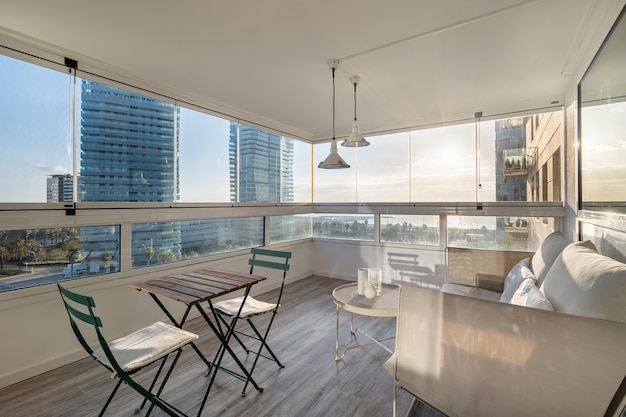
(583,282)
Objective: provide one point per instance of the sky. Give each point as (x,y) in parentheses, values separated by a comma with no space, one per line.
(604,152)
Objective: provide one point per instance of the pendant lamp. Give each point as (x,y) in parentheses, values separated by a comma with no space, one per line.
(355,139)
(333,161)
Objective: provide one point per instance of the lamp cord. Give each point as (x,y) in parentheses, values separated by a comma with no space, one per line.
(333,69)
(354,101)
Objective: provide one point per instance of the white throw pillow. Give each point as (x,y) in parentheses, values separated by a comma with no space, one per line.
(515,277)
(586,283)
(546,254)
(529,295)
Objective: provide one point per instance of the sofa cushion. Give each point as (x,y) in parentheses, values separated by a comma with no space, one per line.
(518,274)
(470,291)
(527,294)
(583,282)
(546,254)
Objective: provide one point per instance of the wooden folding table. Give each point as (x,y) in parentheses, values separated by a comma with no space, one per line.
(194,288)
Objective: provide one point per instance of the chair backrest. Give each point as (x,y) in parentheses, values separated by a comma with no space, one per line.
(80,308)
(273,259)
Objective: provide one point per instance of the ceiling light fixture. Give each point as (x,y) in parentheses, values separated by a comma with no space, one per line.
(333,161)
(355,139)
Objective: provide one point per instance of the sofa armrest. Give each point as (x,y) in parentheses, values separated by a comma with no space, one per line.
(469,357)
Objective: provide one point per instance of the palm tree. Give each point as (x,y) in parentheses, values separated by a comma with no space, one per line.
(4,256)
(165,256)
(19,249)
(149,251)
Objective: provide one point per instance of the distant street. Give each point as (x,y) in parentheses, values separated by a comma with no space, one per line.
(40,275)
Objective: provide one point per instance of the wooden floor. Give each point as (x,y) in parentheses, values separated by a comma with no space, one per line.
(311,384)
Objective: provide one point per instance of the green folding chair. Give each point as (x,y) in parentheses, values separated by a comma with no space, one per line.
(262,258)
(128,355)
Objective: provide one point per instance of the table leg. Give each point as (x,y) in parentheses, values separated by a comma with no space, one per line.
(337,357)
(224,346)
(353,330)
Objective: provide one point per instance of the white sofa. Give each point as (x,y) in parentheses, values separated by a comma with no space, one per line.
(552,343)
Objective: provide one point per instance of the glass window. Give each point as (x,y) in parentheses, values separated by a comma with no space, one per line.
(166,242)
(204,157)
(35,115)
(41,256)
(489,174)
(344,226)
(443,164)
(494,160)
(335,185)
(610,241)
(603,123)
(383,169)
(498,233)
(261,165)
(302,173)
(604,155)
(414,229)
(512,154)
(290,227)
(128,146)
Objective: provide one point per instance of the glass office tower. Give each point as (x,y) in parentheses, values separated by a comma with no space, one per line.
(261,165)
(128,146)
(128,151)
(261,170)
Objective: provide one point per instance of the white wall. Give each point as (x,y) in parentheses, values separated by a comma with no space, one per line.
(36,334)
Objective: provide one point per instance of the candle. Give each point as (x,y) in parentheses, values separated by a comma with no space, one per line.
(362,276)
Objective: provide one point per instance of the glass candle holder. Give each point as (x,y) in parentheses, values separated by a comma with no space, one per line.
(375,279)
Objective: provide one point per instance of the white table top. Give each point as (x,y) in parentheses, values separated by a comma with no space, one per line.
(386,305)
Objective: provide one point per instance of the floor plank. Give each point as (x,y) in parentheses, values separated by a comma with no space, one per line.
(311,384)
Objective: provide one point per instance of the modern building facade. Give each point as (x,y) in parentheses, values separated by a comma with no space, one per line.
(261,170)
(128,154)
(261,165)
(59,188)
(511,160)
(128,146)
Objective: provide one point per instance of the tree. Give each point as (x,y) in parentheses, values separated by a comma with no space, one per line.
(105,257)
(165,256)
(19,250)
(149,251)
(5,255)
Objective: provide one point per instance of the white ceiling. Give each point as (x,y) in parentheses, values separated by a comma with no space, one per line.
(421,62)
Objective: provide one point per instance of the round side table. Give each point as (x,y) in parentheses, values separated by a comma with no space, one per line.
(346,298)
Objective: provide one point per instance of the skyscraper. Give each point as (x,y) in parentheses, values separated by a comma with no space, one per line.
(129,146)
(261,165)
(59,188)
(261,170)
